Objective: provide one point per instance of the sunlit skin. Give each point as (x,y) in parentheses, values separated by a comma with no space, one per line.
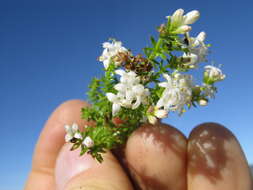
(156,157)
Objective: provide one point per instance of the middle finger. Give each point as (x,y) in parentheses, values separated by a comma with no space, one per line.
(156,157)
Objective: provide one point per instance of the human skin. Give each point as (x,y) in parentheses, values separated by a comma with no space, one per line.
(156,157)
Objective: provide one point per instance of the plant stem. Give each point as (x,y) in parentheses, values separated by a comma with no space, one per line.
(153,54)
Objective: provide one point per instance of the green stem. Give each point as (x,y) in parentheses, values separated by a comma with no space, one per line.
(153,54)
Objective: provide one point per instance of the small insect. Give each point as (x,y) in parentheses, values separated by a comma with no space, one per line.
(73,140)
(186,41)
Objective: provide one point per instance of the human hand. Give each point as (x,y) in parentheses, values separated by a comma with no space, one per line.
(155,158)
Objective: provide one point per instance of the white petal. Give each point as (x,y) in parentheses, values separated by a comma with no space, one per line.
(122,49)
(68,137)
(131,74)
(201,36)
(124,79)
(88,142)
(107,45)
(67,128)
(117,44)
(138,89)
(120,87)
(129,95)
(126,103)
(105,54)
(106,63)
(163,84)
(74,127)
(78,135)
(209,67)
(161,102)
(101,58)
(137,103)
(167,77)
(120,72)
(111,97)
(136,80)
(161,113)
(115,109)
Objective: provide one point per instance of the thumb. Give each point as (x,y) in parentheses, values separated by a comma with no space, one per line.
(83,172)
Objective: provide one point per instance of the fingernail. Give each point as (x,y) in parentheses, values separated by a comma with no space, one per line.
(69,164)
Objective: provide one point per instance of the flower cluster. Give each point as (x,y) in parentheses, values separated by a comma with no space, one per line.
(180,22)
(110,51)
(213,74)
(73,135)
(198,50)
(177,92)
(136,89)
(130,92)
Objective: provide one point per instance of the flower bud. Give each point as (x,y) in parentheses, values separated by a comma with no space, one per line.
(202,102)
(183,29)
(177,15)
(152,119)
(191,17)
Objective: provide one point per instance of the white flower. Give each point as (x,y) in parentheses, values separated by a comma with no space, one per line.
(213,74)
(110,50)
(154,112)
(193,60)
(177,92)
(88,142)
(72,132)
(130,92)
(180,21)
(197,46)
(198,50)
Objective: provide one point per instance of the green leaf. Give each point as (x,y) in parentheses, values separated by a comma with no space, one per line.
(153,41)
(75,146)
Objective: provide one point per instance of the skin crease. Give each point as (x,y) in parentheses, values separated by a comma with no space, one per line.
(155,158)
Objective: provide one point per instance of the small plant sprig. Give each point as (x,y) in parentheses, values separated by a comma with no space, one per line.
(138,89)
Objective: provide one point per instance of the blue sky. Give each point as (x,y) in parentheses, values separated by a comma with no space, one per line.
(49,50)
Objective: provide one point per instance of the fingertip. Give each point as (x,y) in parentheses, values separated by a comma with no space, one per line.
(84,172)
(69,164)
(216,160)
(152,152)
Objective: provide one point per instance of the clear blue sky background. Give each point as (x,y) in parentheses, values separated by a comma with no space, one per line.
(48,52)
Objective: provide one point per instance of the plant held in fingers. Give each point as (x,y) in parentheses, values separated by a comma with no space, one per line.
(137,89)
